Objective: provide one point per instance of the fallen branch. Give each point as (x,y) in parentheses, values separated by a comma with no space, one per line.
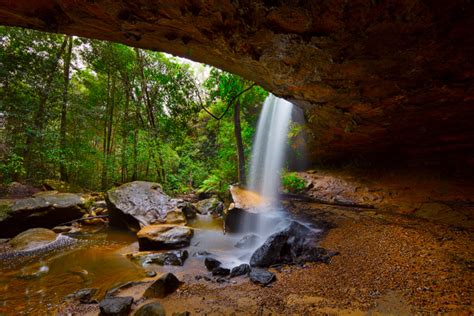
(83,219)
(303,198)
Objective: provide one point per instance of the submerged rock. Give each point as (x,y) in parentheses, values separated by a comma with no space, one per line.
(210,206)
(151,309)
(34,273)
(288,246)
(261,276)
(83,295)
(116,306)
(174,258)
(166,284)
(211,263)
(140,203)
(247,241)
(242,269)
(46,210)
(157,237)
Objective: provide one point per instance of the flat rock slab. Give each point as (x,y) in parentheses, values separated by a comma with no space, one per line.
(157,237)
(140,203)
(45,210)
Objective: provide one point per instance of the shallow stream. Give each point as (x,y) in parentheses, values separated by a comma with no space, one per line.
(38,284)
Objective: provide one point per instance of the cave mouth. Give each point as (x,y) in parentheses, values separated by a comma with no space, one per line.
(382,82)
(386,90)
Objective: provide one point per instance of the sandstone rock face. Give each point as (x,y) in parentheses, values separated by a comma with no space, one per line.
(156,237)
(140,203)
(378,78)
(45,210)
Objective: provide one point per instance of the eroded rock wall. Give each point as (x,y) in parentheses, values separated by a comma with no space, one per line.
(377,78)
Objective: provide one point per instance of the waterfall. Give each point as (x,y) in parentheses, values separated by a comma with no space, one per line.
(269,148)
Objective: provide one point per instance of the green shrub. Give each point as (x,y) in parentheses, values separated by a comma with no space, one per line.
(292,183)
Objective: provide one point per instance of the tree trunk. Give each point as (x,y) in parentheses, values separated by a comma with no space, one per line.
(67,64)
(239,143)
(106,137)
(125,124)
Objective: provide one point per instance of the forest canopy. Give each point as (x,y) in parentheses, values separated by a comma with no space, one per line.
(97,114)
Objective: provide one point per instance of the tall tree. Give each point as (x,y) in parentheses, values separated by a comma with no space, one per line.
(67,65)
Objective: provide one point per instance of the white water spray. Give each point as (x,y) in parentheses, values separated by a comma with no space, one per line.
(268,151)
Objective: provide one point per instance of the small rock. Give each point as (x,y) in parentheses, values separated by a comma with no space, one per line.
(211,263)
(222,280)
(261,276)
(220,271)
(186,313)
(173,258)
(210,206)
(83,295)
(202,254)
(247,241)
(117,306)
(189,210)
(240,270)
(151,309)
(166,284)
(150,274)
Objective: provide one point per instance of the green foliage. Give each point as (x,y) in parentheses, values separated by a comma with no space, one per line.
(12,168)
(292,183)
(131,115)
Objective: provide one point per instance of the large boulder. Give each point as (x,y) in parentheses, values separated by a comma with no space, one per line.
(243,214)
(294,244)
(245,199)
(140,203)
(157,237)
(44,210)
(237,220)
(210,206)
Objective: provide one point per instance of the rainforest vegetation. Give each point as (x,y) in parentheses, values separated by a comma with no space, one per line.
(96,114)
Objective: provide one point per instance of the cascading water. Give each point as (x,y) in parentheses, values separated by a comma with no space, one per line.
(266,163)
(268,156)
(269,148)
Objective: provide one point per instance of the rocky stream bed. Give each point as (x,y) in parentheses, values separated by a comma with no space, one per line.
(329,259)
